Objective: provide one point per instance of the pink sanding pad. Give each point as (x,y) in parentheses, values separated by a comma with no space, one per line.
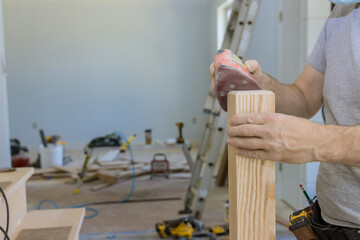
(231,75)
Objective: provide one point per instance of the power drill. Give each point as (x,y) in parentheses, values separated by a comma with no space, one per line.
(299,221)
(180,139)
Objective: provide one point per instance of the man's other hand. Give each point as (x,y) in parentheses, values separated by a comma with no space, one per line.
(254,69)
(274,136)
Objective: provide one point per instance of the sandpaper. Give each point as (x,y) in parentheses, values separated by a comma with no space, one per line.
(231,75)
(57,233)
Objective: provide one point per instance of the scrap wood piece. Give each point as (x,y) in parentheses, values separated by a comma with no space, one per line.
(96,167)
(181,175)
(112,175)
(57,175)
(251,181)
(110,167)
(55,172)
(179,169)
(90,177)
(103,185)
(61,233)
(115,162)
(38,171)
(67,169)
(172,169)
(7,169)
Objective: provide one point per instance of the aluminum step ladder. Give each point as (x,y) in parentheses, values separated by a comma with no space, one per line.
(237,39)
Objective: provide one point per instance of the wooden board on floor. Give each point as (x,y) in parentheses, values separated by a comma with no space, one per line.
(45,220)
(40,171)
(56,233)
(251,181)
(113,175)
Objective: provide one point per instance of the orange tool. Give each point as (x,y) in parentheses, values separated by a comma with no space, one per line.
(231,75)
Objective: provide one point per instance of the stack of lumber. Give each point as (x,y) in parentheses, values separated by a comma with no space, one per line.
(56,172)
(111,167)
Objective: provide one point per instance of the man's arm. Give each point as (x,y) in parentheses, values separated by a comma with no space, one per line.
(340,145)
(301,99)
(295,140)
(289,139)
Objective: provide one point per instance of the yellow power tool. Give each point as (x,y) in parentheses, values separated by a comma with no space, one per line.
(188,228)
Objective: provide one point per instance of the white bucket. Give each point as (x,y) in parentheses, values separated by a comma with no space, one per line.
(50,156)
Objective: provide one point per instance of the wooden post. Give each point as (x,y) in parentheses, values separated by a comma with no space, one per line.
(252,214)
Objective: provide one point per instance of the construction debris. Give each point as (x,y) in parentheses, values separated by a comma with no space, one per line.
(109,168)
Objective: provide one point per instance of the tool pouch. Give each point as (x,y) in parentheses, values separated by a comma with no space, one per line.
(327,231)
(305,233)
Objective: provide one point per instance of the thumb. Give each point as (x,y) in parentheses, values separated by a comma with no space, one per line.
(212,68)
(253,67)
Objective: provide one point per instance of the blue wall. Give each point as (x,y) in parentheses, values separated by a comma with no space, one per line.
(84,68)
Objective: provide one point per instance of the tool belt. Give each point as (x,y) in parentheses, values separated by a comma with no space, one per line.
(328,231)
(318,229)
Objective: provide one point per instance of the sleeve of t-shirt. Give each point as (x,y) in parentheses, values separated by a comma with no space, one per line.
(317,56)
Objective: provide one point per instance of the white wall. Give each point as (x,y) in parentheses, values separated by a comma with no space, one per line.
(4,116)
(214,23)
(263,46)
(84,68)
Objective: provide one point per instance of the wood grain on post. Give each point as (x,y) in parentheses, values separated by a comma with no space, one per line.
(252,214)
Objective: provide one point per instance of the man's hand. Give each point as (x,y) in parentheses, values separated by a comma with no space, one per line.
(277,137)
(265,81)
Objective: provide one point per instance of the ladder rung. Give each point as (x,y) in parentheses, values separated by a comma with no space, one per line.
(237,38)
(203,159)
(193,190)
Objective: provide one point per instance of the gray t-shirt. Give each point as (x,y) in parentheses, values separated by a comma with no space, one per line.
(337,55)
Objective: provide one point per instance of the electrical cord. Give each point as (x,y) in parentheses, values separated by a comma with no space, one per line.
(7,216)
(5,234)
(86,205)
(49,201)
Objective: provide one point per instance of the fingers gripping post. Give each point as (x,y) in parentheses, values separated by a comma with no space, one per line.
(252,212)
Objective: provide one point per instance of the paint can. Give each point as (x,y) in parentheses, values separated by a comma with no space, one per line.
(50,156)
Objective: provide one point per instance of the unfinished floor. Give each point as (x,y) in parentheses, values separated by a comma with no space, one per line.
(129,220)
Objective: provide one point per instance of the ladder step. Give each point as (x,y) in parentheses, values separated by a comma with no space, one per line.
(193,190)
(202,158)
(237,39)
(13,185)
(64,223)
